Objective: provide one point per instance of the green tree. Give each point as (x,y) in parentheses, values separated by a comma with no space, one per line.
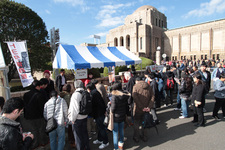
(145,62)
(18,23)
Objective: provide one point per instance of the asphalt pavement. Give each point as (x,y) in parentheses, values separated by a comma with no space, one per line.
(175,133)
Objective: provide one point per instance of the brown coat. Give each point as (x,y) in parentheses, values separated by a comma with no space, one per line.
(143,96)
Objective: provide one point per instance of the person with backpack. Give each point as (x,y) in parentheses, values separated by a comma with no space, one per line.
(98,113)
(78,118)
(169,86)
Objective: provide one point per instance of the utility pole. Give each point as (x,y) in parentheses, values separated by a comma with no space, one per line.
(54,42)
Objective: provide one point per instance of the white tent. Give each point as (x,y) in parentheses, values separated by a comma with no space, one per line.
(82,57)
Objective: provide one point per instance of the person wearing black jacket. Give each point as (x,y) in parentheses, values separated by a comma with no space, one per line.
(153,84)
(11,136)
(98,113)
(130,85)
(206,76)
(169,91)
(119,105)
(198,97)
(33,113)
(50,87)
(185,90)
(60,80)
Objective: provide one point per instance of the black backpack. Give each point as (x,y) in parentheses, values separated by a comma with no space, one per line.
(85,103)
(148,121)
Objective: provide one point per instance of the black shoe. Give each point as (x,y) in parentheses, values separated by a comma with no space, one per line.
(136,140)
(144,139)
(200,125)
(194,121)
(216,117)
(157,122)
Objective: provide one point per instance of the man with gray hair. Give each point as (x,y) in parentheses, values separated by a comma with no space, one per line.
(79,121)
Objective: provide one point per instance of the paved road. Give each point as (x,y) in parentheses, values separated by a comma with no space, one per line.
(177,134)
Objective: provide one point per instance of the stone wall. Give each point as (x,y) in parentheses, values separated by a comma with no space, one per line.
(202,41)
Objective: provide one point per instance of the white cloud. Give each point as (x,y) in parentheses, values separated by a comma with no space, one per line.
(47,11)
(207,9)
(101,34)
(74,3)
(162,9)
(111,15)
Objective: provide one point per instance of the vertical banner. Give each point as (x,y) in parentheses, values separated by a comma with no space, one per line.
(111,72)
(21,59)
(2,60)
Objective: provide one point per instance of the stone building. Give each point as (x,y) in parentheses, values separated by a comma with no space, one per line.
(200,41)
(146,29)
(141,33)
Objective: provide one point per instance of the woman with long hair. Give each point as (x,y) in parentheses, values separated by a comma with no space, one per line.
(198,97)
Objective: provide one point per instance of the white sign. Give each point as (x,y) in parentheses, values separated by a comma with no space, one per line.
(155,67)
(81,74)
(20,56)
(164,55)
(2,61)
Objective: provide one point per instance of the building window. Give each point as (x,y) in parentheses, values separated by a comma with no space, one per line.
(131,21)
(121,41)
(128,42)
(115,42)
(156,20)
(140,20)
(205,57)
(213,56)
(159,22)
(140,42)
(201,56)
(162,24)
(218,56)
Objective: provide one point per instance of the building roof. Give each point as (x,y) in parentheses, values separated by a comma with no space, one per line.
(144,8)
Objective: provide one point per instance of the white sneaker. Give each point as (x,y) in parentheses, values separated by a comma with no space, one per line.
(103,145)
(182,117)
(97,142)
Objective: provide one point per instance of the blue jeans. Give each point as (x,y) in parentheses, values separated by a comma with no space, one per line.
(117,127)
(184,106)
(178,100)
(81,134)
(58,133)
(102,135)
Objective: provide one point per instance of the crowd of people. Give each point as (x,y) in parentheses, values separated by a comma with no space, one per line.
(82,112)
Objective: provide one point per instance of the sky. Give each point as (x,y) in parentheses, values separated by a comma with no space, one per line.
(79,20)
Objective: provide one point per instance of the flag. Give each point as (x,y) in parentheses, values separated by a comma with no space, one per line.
(20,56)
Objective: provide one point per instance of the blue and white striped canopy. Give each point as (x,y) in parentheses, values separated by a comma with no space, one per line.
(82,57)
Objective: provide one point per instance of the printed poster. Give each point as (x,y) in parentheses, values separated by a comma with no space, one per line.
(20,56)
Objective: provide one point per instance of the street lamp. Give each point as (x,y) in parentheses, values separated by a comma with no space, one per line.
(158,55)
(158,48)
